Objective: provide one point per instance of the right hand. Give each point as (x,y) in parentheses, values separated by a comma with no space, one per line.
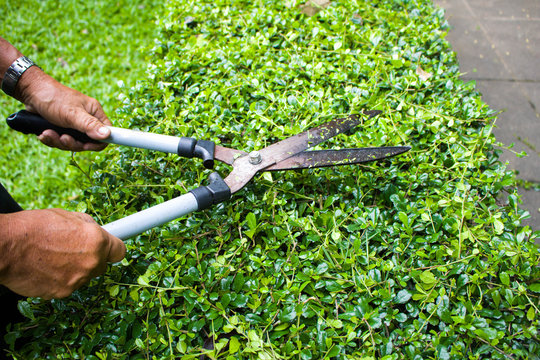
(64,107)
(51,253)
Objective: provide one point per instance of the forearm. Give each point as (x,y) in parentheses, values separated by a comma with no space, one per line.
(5,241)
(8,54)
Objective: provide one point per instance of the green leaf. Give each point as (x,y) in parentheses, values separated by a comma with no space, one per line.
(239,282)
(535,287)
(531,314)
(306,354)
(234,345)
(322,268)
(113,290)
(25,309)
(401,317)
(486,333)
(499,226)
(288,314)
(428,278)
(403,296)
(181,346)
(335,323)
(143,280)
(505,279)
(403,218)
(251,221)
(363,307)
(443,353)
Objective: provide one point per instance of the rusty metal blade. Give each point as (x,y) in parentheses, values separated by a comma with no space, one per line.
(324,158)
(244,170)
(227,155)
(295,144)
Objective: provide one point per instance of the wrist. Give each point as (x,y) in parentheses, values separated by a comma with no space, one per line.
(34,86)
(14,73)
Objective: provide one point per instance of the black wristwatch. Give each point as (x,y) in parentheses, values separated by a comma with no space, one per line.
(14,73)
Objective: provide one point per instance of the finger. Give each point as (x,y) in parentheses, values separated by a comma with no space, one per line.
(51,139)
(94,146)
(66,142)
(82,281)
(99,114)
(70,143)
(117,249)
(99,270)
(93,127)
(88,121)
(30,108)
(84,217)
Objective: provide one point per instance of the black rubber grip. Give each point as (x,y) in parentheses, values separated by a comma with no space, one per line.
(203,149)
(216,192)
(30,123)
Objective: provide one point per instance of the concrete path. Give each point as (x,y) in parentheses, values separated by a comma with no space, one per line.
(497,43)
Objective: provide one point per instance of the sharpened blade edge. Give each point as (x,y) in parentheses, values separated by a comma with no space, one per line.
(326,158)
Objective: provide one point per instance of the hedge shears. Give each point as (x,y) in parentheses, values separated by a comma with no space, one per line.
(289,154)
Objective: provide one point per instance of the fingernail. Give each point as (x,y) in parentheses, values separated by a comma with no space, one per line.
(103,131)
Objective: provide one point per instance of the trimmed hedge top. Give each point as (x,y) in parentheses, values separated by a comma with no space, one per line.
(418,257)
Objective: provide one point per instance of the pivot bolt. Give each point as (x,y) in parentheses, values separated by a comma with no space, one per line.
(255,158)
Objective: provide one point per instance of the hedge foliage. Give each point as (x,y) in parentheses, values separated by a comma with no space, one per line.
(418,257)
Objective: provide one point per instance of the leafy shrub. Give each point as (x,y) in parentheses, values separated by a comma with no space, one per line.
(418,257)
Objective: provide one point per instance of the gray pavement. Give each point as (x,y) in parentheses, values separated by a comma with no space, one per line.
(497,45)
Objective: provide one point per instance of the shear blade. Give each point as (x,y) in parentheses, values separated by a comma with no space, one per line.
(325,158)
(244,169)
(296,144)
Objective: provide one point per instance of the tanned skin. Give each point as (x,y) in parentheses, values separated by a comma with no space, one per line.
(51,253)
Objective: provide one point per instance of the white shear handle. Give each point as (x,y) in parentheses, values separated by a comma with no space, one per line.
(197,199)
(155,216)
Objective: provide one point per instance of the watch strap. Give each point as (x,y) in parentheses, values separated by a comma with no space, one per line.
(14,73)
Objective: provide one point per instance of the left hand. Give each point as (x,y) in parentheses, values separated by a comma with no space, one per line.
(52,252)
(64,107)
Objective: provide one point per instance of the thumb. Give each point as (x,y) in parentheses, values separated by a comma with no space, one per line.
(93,127)
(117,249)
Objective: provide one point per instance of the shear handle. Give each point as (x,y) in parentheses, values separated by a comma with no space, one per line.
(30,123)
(157,215)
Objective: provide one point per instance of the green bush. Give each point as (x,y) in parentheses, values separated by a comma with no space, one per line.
(418,257)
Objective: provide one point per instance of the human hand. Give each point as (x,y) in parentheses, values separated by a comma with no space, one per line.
(51,253)
(64,107)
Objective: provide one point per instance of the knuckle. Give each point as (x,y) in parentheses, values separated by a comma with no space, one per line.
(71,113)
(91,264)
(60,293)
(87,218)
(94,104)
(78,281)
(88,122)
(95,241)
